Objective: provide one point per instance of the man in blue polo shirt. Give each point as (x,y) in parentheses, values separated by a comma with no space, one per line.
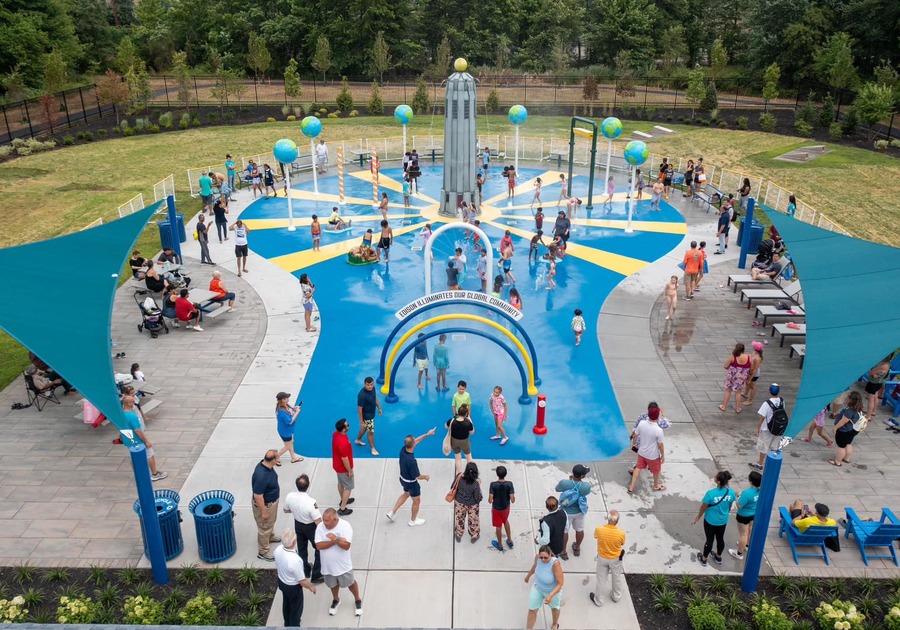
(133,434)
(265,504)
(409,479)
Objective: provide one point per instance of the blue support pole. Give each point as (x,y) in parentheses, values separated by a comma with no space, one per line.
(764,504)
(173,226)
(748,228)
(155,549)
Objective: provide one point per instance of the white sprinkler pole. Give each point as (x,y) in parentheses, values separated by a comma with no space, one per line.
(404,140)
(315,167)
(517,148)
(608,160)
(287,176)
(628,229)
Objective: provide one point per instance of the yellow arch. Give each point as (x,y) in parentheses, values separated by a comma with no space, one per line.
(386,388)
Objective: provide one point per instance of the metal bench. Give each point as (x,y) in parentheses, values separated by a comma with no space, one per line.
(737,279)
(767,310)
(790,294)
(786,331)
(800,350)
(710,195)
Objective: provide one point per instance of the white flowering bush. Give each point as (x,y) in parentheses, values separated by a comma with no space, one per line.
(839,615)
(768,616)
(75,610)
(142,611)
(891,620)
(199,611)
(13,610)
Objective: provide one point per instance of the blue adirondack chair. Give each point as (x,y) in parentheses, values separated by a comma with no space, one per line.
(813,537)
(891,398)
(874,534)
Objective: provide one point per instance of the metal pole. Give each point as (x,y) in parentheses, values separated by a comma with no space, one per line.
(748,226)
(404,140)
(166,90)
(312,158)
(517,150)
(28,118)
(66,107)
(173,227)
(196,93)
(155,550)
(608,160)
(764,504)
(287,176)
(628,228)
(6,120)
(83,108)
(99,106)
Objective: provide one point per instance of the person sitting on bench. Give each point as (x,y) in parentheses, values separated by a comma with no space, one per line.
(771,271)
(187,312)
(216,285)
(336,222)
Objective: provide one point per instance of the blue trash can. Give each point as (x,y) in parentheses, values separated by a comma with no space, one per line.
(214,523)
(756,235)
(169,522)
(165,234)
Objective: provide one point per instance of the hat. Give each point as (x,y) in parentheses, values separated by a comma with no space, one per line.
(561,212)
(757,345)
(580,471)
(774,389)
(282,395)
(822,509)
(653,413)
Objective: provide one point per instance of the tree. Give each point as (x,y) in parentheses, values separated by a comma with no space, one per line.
(590,92)
(138,85)
(56,72)
(873,104)
(322,60)
(710,101)
(125,57)
(673,48)
(501,53)
(182,74)
(441,61)
(771,77)
(227,85)
(625,25)
(14,85)
(375,104)
(381,57)
(834,62)
(293,89)
(696,89)
(624,74)
(718,60)
(421,102)
(344,98)
(826,113)
(258,56)
(113,90)
(559,57)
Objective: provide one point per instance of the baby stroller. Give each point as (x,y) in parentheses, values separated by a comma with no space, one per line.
(767,249)
(151,315)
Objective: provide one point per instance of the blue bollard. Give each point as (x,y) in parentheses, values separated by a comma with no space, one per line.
(764,504)
(155,551)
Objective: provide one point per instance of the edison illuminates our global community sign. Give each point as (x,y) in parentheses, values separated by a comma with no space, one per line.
(475,297)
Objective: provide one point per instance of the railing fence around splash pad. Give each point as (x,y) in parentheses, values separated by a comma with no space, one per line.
(539,149)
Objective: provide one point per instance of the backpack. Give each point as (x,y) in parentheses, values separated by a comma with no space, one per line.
(861,423)
(573,496)
(779,419)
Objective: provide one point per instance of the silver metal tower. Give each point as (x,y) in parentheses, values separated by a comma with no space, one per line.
(460,137)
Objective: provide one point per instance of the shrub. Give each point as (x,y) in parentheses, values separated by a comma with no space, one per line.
(895,144)
(344,98)
(142,611)
(376,103)
(703,122)
(742,123)
(706,616)
(835,131)
(323,111)
(291,118)
(768,616)
(18,142)
(493,101)
(13,610)
(139,124)
(153,128)
(767,122)
(195,121)
(23,151)
(803,128)
(165,120)
(117,130)
(285,110)
(723,124)
(839,616)
(881,145)
(891,620)
(333,115)
(68,140)
(270,119)
(668,119)
(298,111)
(317,114)
(353,113)
(80,135)
(128,132)
(124,125)
(826,114)
(228,116)
(5,151)
(101,133)
(851,122)
(89,136)
(199,611)
(421,102)
(710,100)
(245,109)
(213,117)
(75,610)
(806,113)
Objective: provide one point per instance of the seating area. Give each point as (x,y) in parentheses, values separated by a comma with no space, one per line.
(38,397)
(813,537)
(709,195)
(790,294)
(874,534)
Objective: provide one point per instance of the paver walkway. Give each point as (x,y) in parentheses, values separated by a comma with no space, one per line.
(68,491)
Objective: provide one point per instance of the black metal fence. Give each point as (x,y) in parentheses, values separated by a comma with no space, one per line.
(29,118)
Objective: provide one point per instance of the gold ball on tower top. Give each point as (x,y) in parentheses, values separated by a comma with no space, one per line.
(460,64)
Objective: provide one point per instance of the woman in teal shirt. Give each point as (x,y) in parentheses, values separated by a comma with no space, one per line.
(714,511)
(746,512)
(229,168)
(792,206)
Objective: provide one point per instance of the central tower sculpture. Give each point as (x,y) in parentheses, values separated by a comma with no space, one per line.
(460,141)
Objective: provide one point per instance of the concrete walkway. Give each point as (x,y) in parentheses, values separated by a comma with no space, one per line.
(68,491)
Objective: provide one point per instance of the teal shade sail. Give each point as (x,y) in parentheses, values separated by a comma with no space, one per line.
(66,320)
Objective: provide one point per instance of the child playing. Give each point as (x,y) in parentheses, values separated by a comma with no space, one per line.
(551,273)
(506,241)
(441,362)
(501,495)
(136,373)
(425,233)
(316,230)
(420,358)
(610,189)
(578,326)
(539,219)
(452,276)
(498,285)
(500,411)
(367,239)
(460,398)
(640,184)
(563,192)
(533,249)
(818,425)
(515,299)
(506,265)
(537,192)
(658,188)
(481,268)
(671,297)
(511,183)
(406,192)
(476,240)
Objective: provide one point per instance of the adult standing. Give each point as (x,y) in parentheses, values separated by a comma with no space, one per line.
(265,504)
(241,247)
(689,179)
(651,450)
(134,435)
(286,415)
(844,431)
(692,262)
(342,464)
(610,551)
(409,479)
(724,222)
(366,405)
(203,239)
(321,156)
(333,539)
(746,512)
(547,587)
(461,430)
(573,500)
(291,579)
(206,196)
(467,503)
(552,527)
(307,516)
(308,290)
(699,176)
(714,509)
(220,209)
(562,226)
(737,373)
(745,192)
(229,170)
(661,420)
(874,383)
(768,435)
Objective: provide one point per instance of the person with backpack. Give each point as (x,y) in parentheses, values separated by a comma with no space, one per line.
(573,501)
(773,420)
(847,424)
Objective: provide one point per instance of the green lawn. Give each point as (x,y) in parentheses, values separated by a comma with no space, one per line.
(55,193)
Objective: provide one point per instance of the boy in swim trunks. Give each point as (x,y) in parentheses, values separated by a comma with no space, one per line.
(420,359)
(316,230)
(384,243)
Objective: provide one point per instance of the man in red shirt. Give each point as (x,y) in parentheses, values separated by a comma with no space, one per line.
(342,462)
(217,286)
(693,261)
(185,311)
